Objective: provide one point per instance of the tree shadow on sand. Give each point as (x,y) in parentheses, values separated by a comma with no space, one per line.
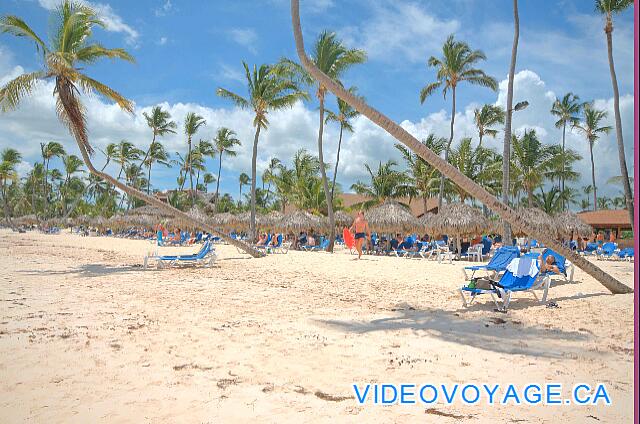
(496,333)
(90,270)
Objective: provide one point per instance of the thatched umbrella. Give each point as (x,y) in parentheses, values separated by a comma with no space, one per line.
(425,222)
(299,220)
(391,216)
(272,218)
(27,220)
(538,219)
(459,219)
(342,219)
(570,224)
(149,211)
(223,219)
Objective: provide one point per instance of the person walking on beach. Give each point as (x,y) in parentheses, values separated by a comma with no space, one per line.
(360,228)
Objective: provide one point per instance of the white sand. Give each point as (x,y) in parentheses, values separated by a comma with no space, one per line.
(87,336)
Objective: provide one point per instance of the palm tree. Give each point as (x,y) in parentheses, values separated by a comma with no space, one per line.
(333,58)
(587,190)
(480,165)
(9,160)
(204,149)
(156,153)
(567,111)
(243,180)
(423,175)
(455,66)
(160,123)
(207,179)
(225,141)
(386,184)
(475,190)
(64,60)
(343,117)
(269,173)
(608,8)
(268,91)
(592,130)
(72,164)
(49,151)
(485,118)
(192,123)
(506,143)
(532,161)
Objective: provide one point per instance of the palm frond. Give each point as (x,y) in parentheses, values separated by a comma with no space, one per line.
(13,91)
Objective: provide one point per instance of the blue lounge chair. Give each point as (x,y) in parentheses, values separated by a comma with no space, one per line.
(590,249)
(205,256)
(322,246)
(523,277)
(565,267)
(626,254)
(607,250)
(498,263)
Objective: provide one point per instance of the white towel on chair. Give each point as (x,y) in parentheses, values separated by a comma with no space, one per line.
(523,266)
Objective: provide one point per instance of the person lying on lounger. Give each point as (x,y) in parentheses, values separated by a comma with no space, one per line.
(548,265)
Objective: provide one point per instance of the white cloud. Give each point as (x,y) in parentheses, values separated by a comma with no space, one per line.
(164,9)
(246,37)
(312,6)
(399,28)
(112,20)
(162,41)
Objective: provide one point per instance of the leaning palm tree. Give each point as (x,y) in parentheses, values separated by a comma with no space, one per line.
(192,123)
(160,123)
(333,58)
(567,111)
(454,67)
(474,189)
(225,141)
(591,129)
(9,160)
(268,91)
(608,8)
(343,117)
(64,60)
(49,151)
(485,118)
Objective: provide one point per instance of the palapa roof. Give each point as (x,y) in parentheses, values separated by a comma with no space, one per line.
(539,220)
(150,211)
(342,218)
(300,220)
(570,224)
(617,218)
(459,219)
(391,216)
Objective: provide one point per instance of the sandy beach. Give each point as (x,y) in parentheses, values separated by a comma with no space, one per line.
(86,335)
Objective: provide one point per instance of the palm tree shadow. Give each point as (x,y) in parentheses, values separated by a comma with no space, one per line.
(91,270)
(496,334)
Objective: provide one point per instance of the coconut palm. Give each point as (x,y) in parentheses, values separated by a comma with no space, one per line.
(423,175)
(49,151)
(156,153)
(475,190)
(269,173)
(225,142)
(591,129)
(267,91)
(207,178)
(64,60)
(160,123)
(192,123)
(243,179)
(480,165)
(9,160)
(343,117)
(204,149)
(333,58)
(485,118)
(532,161)
(454,67)
(567,111)
(506,143)
(386,183)
(608,8)
(72,164)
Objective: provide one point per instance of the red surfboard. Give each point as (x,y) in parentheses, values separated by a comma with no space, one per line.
(349,241)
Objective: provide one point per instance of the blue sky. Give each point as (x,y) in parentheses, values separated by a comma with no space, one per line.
(185,49)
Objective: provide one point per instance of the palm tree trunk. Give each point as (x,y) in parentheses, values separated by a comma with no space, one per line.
(446,152)
(593,178)
(190,171)
(442,166)
(218,180)
(616,111)
(564,128)
(149,179)
(254,157)
(327,193)
(480,140)
(506,145)
(335,171)
(530,197)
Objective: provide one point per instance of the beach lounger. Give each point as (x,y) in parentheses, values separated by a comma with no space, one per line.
(607,251)
(498,263)
(324,244)
(565,267)
(522,275)
(590,249)
(205,256)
